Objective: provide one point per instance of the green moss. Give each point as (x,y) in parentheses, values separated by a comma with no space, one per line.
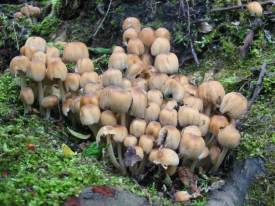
(48,26)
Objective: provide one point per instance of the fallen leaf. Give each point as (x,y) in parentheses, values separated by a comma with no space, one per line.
(67,151)
(78,135)
(31,147)
(72,201)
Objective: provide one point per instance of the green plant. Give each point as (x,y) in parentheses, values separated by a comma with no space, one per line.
(48,26)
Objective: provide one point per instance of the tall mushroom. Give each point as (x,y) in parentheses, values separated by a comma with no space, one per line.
(167,63)
(19,66)
(169,137)
(48,103)
(27,97)
(131,22)
(73,51)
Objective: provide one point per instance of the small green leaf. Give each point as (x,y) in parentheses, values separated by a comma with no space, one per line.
(78,135)
(94,150)
(100,50)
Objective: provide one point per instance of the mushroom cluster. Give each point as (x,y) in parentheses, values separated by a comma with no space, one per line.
(28,11)
(147,113)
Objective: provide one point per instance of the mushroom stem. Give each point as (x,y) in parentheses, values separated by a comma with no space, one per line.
(140,169)
(48,114)
(220,160)
(120,158)
(193,165)
(22,80)
(26,108)
(111,153)
(40,95)
(167,180)
(94,128)
(207,110)
(62,90)
(210,141)
(123,121)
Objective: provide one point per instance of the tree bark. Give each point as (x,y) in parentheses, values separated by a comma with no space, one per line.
(70,9)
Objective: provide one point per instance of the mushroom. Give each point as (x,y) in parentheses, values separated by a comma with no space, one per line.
(19,66)
(39,56)
(169,104)
(173,89)
(135,46)
(191,130)
(117,49)
(92,88)
(130,141)
(182,196)
(152,112)
(131,22)
(108,118)
(188,116)
(66,106)
(168,117)
(163,32)
(140,83)
(52,52)
(126,83)
(118,60)
(48,103)
(84,65)
(147,36)
(203,123)
(153,129)
(135,70)
(36,43)
(72,82)
(139,102)
(147,59)
(167,63)
(89,99)
(169,137)
(88,77)
(73,51)
(18,15)
(255,8)
(157,80)
(27,97)
(160,46)
(137,127)
(112,77)
(190,90)
(155,96)
(57,70)
(229,138)
(234,105)
(132,59)
(165,157)
(129,34)
(27,51)
(193,102)
(217,122)
(90,116)
(183,80)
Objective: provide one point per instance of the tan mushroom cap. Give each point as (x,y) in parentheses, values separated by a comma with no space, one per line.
(155,96)
(191,130)
(160,46)
(118,60)
(118,49)
(169,137)
(89,99)
(39,56)
(137,127)
(129,34)
(135,46)
(73,51)
(139,102)
(146,142)
(167,63)
(147,36)
(217,122)
(36,43)
(139,151)
(164,156)
(18,15)
(255,8)
(131,22)
(135,70)
(27,96)
(37,71)
(183,80)
(126,83)
(88,77)
(182,196)
(84,65)
(56,69)
(130,141)
(153,129)
(169,104)
(168,117)
(140,83)
(49,102)
(89,114)
(66,106)
(72,82)
(193,102)
(108,118)
(132,59)
(157,80)
(52,52)
(147,59)
(27,51)
(188,116)
(234,105)
(30,11)
(152,112)
(19,64)
(229,137)
(163,32)
(214,153)
(93,88)
(190,90)
(173,89)
(203,123)
(112,77)
(120,132)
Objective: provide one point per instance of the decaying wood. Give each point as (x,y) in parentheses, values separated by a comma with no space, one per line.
(246,43)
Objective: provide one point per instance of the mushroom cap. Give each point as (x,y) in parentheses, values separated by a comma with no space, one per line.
(160,46)
(255,8)
(168,117)
(147,59)
(140,83)
(155,96)
(27,96)
(93,88)
(182,196)
(139,102)
(229,137)
(173,89)
(147,36)
(135,70)
(169,104)
(52,52)
(84,65)
(217,122)
(152,112)
(116,99)
(19,64)
(164,156)
(139,151)
(214,153)
(192,146)
(108,118)
(89,114)
(39,56)
(234,105)
(169,137)
(36,43)
(30,11)
(193,102)
(146,142)
(117,49)
(137,127)
(131,22)
(167,63)
(211,92)
(72,82)
(163,32)
(73,51)
(88,77)
(183,80)
(27,51)
(190,90)
(135,46)
(89,99)
(49,102)
(132,59)
(157,80)
(118,60)
(188,116)
(75,108)
(112,77)
(129,34)
(18,15)
(37,71)
(191,130)
(203,123)
(153,129)
(66,106)
(120,132)
(130,141)
(126,83)
(56,69)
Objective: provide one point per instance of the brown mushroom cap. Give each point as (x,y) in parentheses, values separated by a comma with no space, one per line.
(167,63)
(73,51)
(234,105)
(135,70)
(183,80)
(27,96)
(132,59)
(214,153)
(89,99)
(37,71)
(169,104)
(84,65)
(49,102)
(255,8)
(146,142)
(118,60)
(160,46)
(173,89)
(217,122)
(155,96)
(147,59)
(188,116)
(139,102)
(137,127)
(19,64)
(135,46)
(131,22)
(36,43)
(169,137)
(88,77)
(108,118)
(139,151)
(66,106)
(117,49)
(168,117)
(153,129)
(130,141)
(157,80)
(191,130)
(120,132)
(112,77)
(72,82)
(193,102)
(89,114)
(129,34)
(182,196)
(56,69)
(147,36)
(93,88)
(152,112)
(164,156)
(229,137)
(27,51)
(52,52)
(163,32)
(39,56)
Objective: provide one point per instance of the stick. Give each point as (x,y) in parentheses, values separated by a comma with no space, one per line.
(246,43)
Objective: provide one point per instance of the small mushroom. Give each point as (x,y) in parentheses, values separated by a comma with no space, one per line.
(188,116)
(182,196)
(163,32)
(48,103)
(112,77)
(52,52)
(155,96)
(72,82)
(36,43)
(117,49)
(146,142)
(168,117)
(160,46)
(131,22)
(129,34)
(147,59)
(169,137)
(27,97)
(130,141)
(137,127)
(132,59)
(135,70)
(165,157)
(217,122)
(153,129)
(73,51)
(139,102)
(135,46)
(84,65)
(173,89)
(193,102)
(90,116)
(118,60)
(108,118)
(88,77)
(89,99)
(19,66)
(157,80)
(147,36)
(167,63)
(152,112)
(255,8)
(39,56)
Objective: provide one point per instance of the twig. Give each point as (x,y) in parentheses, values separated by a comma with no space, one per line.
(106,14)
(16,39)
(258,86)
(246,43)
(239,6)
